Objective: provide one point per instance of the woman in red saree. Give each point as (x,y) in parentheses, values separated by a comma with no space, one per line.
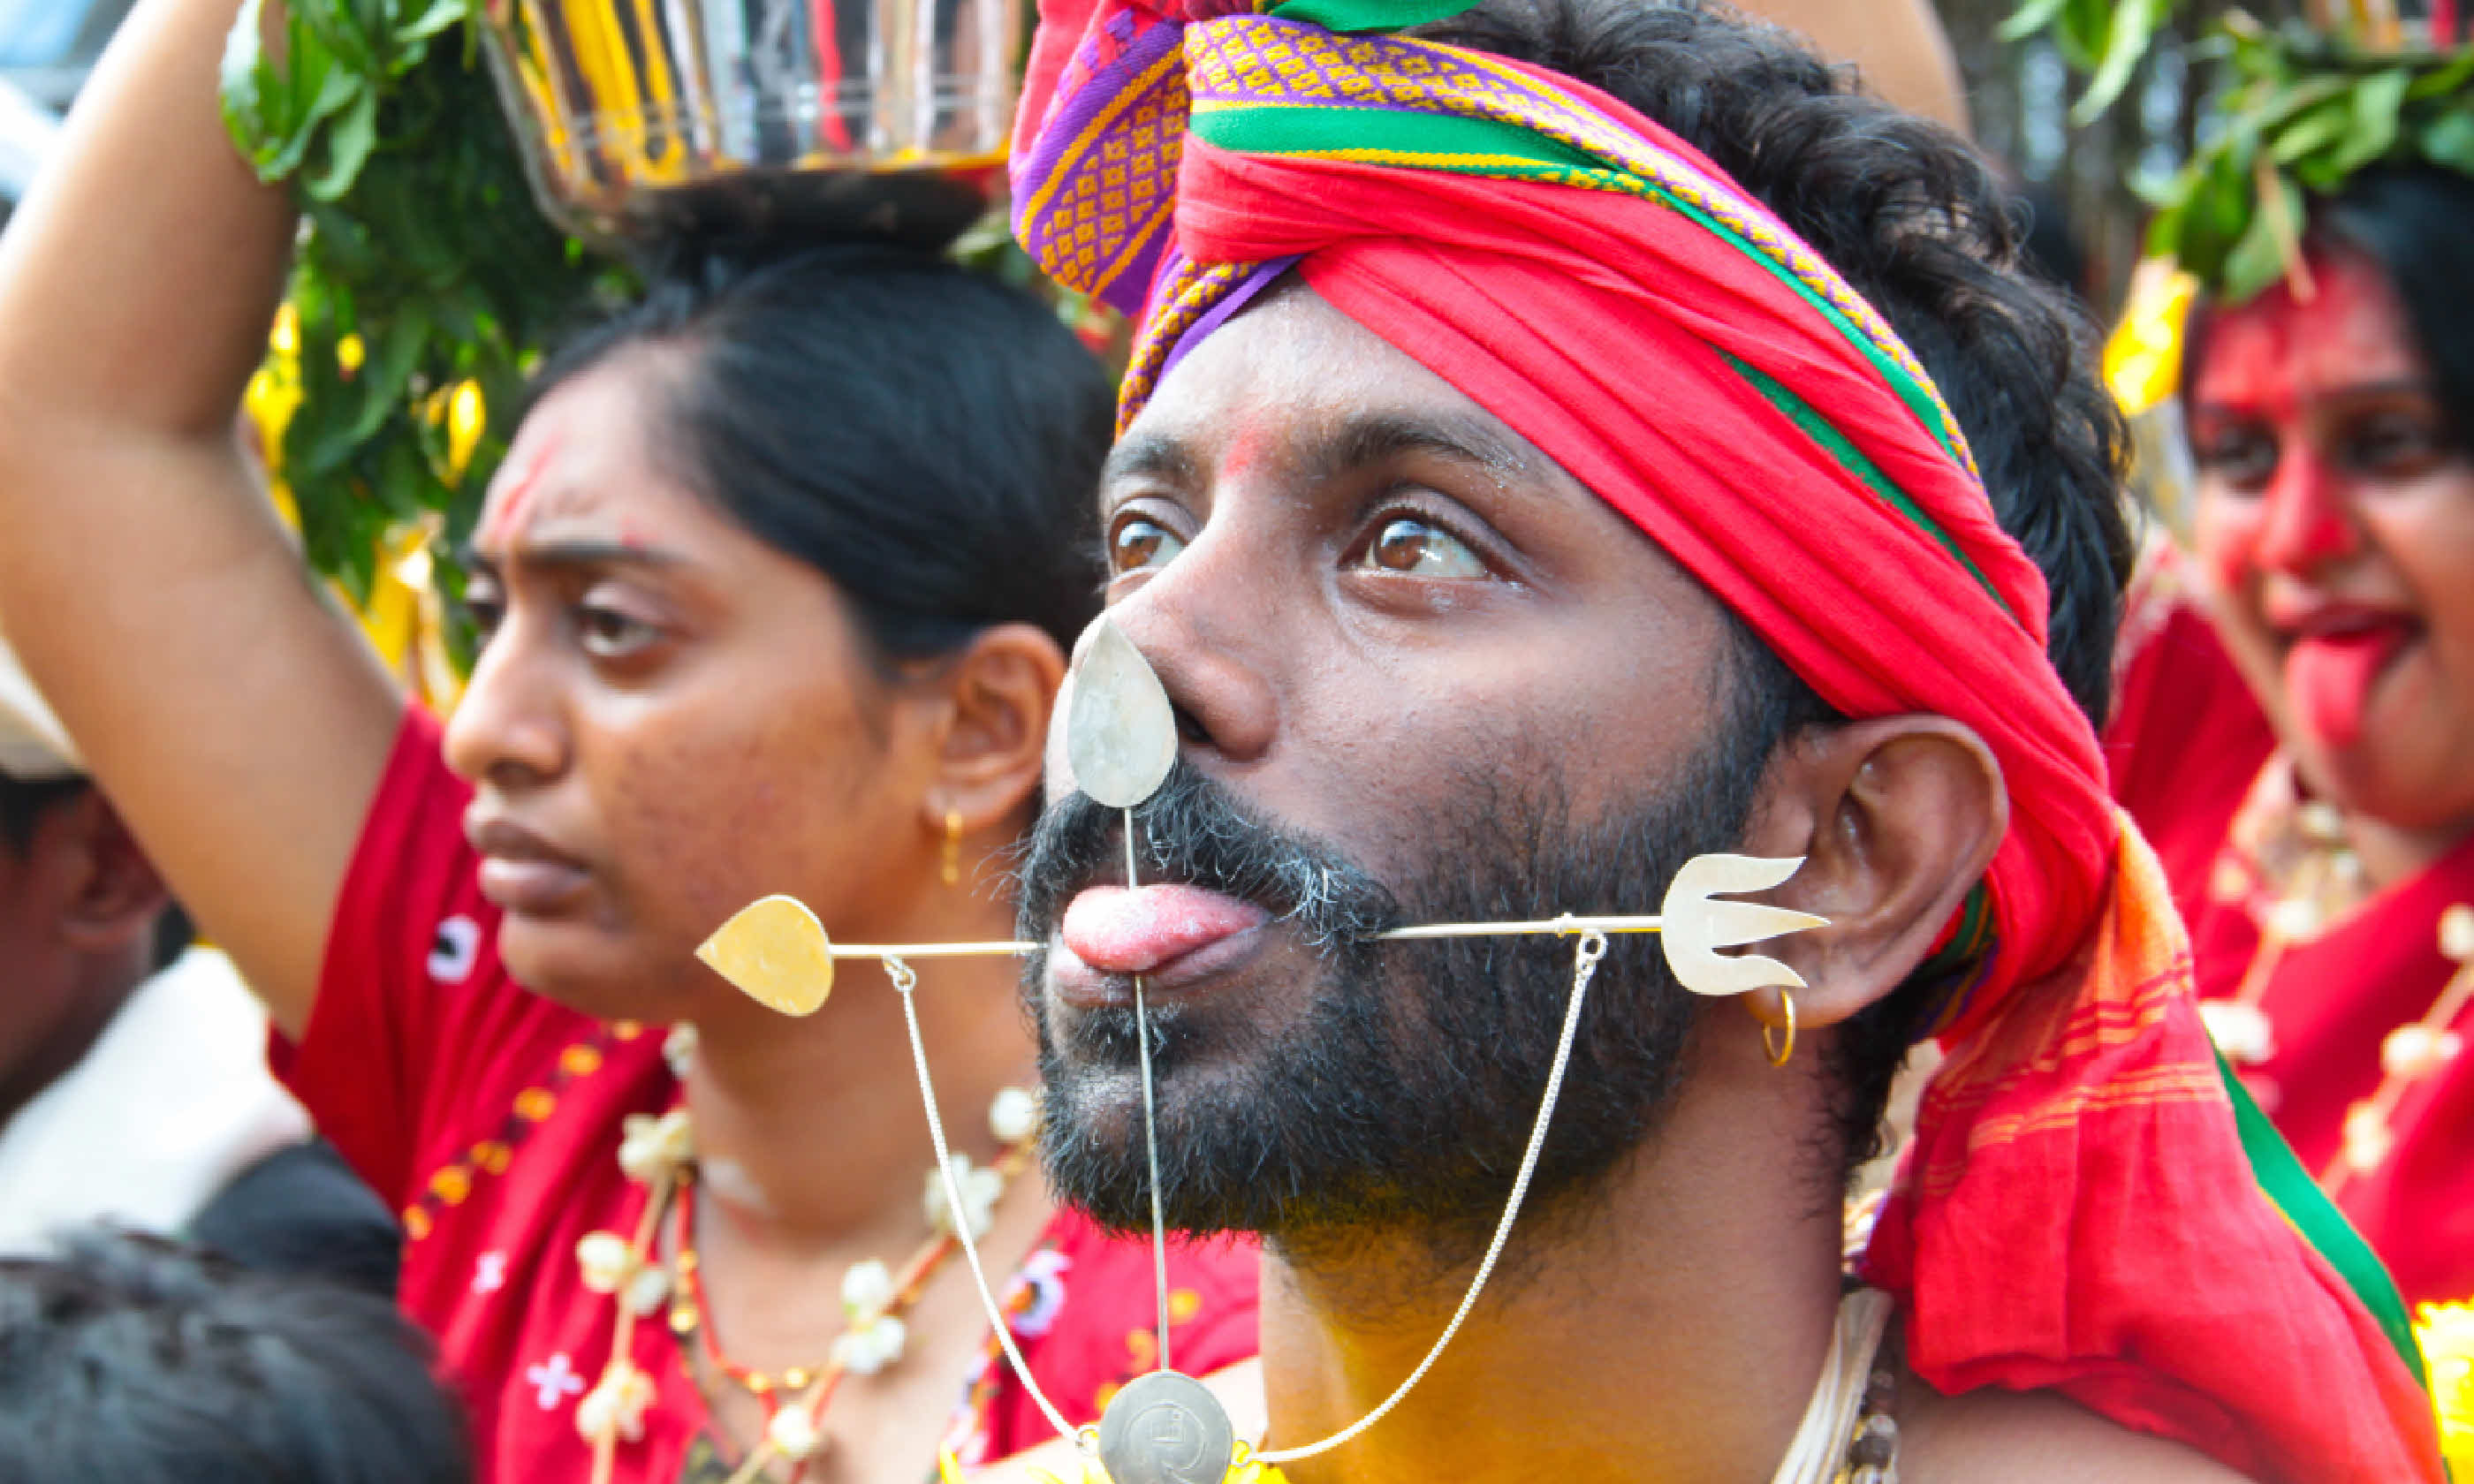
(2296,731)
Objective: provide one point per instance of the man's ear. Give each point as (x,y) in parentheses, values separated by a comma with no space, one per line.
(1896,817)
(991,747)
(109,892)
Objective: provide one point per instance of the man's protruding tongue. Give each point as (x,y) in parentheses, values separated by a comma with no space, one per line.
(1132,932)
(2329,676)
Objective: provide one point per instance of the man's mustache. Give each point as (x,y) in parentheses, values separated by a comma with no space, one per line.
(1192,832)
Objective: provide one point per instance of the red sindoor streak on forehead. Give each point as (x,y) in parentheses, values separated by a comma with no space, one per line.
(520,486)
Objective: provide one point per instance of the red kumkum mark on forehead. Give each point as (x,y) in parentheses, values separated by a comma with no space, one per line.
(1249,449)
(522,485)
(2277,354)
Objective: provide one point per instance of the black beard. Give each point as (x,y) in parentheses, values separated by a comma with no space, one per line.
(1404,1098)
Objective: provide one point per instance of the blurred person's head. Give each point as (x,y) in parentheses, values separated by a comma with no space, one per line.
(82,911)
(777,581)
(2329,423)
(133,1359)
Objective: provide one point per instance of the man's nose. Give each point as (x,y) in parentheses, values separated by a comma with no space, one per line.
(1202,623)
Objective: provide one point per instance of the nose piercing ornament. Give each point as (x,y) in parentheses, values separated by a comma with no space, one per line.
(1119,740)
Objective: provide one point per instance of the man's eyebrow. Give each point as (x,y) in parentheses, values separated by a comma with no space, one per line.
(571,554)
(1160,456)
(1376,437)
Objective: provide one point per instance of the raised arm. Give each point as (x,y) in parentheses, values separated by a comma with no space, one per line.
(239,723)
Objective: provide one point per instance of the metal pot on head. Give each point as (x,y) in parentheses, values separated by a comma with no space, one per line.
(849,118)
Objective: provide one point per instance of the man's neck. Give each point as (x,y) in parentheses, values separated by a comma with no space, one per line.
(1667,1325)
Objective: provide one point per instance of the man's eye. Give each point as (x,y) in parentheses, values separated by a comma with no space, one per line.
(610,634)
(1411,547)
(1139,545)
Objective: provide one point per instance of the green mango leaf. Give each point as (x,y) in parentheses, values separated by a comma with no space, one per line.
(2315,130)
(243,80)
(349,143)
(2444,79)
(2131,31)
(2079,30)
(2319,174)
(2449,142)
(2259,258)
(390,368)
(2030,17)
(2377,103)
(2221,202)
(429,21)
(2283,104)
(2255,262)
(344,31)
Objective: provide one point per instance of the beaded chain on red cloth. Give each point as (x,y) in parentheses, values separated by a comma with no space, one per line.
(2289,863)
(660,1153)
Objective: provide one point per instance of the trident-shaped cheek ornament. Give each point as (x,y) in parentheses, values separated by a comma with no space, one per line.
(1119,740)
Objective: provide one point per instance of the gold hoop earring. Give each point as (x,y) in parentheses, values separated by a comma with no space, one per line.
(1778,1051)
(952,868)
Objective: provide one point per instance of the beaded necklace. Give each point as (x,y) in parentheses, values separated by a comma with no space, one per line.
(660,1154)
(2289,863)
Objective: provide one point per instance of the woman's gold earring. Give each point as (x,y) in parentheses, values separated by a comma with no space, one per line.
(1778,1050)
(952,871)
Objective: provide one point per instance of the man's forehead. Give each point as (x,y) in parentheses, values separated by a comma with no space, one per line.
(1295,380)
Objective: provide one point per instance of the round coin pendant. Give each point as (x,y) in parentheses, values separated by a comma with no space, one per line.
(1165,1429)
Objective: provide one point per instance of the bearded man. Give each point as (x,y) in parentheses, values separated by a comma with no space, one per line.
(1567,438)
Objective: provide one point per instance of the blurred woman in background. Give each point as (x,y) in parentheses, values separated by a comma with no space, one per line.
(2297,727)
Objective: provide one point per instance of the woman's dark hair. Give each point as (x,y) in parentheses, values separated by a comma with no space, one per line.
(133,1359)
(1918,222)
(925,436)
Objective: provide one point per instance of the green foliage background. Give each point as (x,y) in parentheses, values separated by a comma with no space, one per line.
(2302,111)
(420,239)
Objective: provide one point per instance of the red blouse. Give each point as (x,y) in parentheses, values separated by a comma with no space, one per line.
(489,1117)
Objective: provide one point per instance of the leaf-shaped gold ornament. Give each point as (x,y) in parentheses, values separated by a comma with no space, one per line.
(1693,925)
(777,954)
(1121,731)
